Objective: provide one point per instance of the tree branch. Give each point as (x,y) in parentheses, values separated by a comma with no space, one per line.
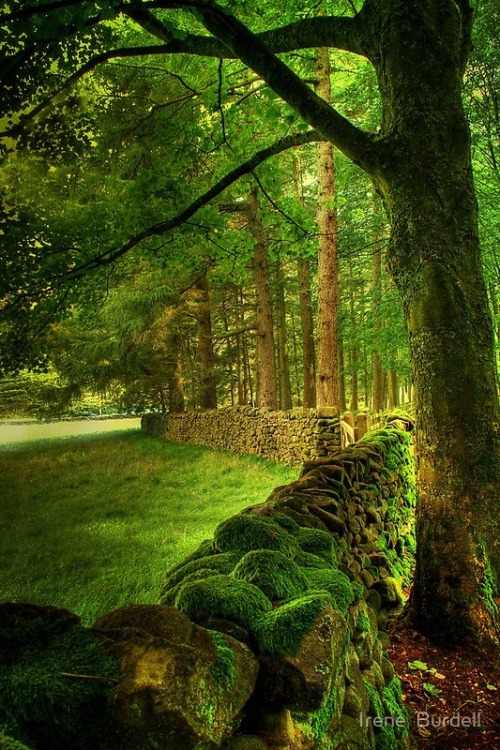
(110,256)
(122,52)
(340,32)
(356,144)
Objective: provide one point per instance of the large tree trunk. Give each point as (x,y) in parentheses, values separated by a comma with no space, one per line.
(327,391)
(285,386)
(266,370)
(377,372)
(306,312)
(174,372)
(307,329)
(208,388)
(434,259)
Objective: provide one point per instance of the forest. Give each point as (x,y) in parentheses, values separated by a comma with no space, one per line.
(283,205)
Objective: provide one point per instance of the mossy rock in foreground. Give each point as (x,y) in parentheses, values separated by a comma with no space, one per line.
(41,649)
(246,532)
(224,597)
(273,573)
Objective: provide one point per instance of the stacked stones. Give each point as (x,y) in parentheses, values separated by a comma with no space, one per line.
(269,636)
(287,437)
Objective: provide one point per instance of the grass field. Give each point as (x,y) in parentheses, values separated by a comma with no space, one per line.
(94,523)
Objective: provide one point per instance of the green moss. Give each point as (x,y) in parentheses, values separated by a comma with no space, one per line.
(33,688)
(389,705)
(223,563)
(286,522)
(169,596)
(308,560)
(222,596)
(247,531)
(333,581)
(203,550)
(358,591)
(223,670)
(487,586)
(316,542)
(9,743)
(363,623)
(392,700)
(280,632)
(274,573)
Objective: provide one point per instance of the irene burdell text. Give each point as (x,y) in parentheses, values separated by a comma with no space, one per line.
(423,719)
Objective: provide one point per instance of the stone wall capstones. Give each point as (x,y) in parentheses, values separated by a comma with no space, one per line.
(290,437)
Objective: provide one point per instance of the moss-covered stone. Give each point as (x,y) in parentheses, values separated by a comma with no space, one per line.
(245,532)
(222,596)
(223,563)
(273,573)
(41,651)
(280,632)
(335,583)
(317,542)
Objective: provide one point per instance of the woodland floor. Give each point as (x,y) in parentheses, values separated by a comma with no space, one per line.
(443,684)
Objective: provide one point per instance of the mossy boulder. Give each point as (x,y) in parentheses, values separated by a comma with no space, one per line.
(245,532)
(336,583)
(273,573)
(280,631)
(225,597)
(222,563)
(305,641)
(182,686)
(44,651)
(317,542)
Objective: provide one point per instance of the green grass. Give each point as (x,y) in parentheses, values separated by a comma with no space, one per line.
(94,523)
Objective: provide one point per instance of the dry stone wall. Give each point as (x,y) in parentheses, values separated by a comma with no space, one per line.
(269,636)
(287,437)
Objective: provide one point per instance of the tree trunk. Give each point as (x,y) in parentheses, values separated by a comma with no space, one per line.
(285,386)
(306,311)
(327,393)
(393,388)
(354,351)
(265,335)
(174,373)
(377,373)
(434,260)
(208,389)
(342,395)
(307,328)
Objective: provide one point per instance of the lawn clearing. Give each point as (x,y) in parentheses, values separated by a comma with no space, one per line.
(94,523)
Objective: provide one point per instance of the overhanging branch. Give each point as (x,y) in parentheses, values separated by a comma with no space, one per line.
(356,144)
(110,256)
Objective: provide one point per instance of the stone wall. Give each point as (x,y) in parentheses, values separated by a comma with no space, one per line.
(287,437)
(269,636)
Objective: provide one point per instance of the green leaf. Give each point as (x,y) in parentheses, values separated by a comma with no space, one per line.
(417,665)
(431,689)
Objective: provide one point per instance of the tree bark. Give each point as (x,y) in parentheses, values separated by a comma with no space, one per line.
(306,312)
(208,388)
(377,372)
(307,329)
(176,402)
(285,386)
(434,260)
(265,329)
(327,389)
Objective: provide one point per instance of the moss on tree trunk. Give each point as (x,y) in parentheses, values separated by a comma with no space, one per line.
(425,177)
